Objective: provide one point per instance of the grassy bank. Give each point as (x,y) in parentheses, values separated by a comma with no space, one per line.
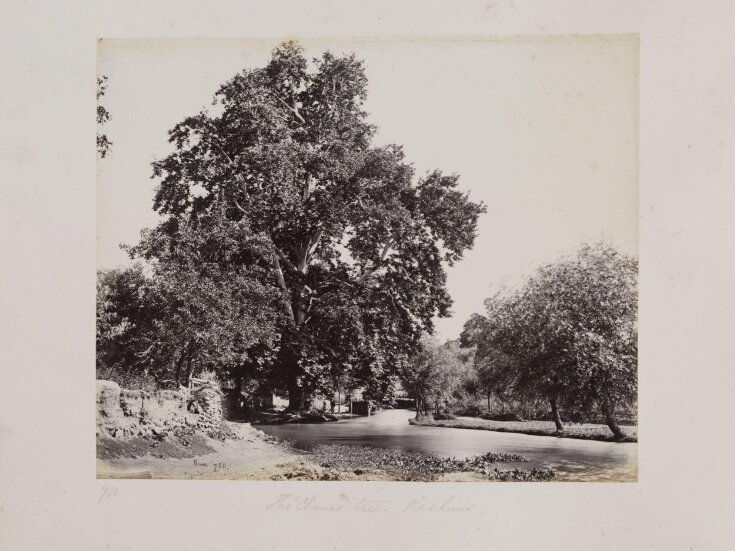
(582,431)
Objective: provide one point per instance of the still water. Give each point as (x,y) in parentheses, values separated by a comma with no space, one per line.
(571,459)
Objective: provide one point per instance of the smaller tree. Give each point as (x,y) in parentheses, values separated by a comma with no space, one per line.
(433,374)
(493,369)
(127,315)
(569,335)
(198,307)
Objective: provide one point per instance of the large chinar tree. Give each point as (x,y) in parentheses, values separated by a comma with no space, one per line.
(356,245)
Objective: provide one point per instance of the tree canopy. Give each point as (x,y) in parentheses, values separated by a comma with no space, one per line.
(435,372)
(568,335)
(354,246)
(193,306)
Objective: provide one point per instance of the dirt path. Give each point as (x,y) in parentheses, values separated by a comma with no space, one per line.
(257,456)
(254,456)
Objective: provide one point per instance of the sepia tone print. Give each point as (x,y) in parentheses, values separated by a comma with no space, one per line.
(408,260)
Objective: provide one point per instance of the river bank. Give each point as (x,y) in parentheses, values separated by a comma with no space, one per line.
(252,455)
(580,431)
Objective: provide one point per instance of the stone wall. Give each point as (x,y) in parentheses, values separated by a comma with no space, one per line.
(206,402)
(128,413)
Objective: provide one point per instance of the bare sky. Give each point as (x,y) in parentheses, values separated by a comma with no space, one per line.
(543,130)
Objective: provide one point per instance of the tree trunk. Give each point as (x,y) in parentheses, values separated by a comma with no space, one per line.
(488,402)
(239,409)
(189,369)
(555,415)
(418,407)
(295,393)
(296,397)
(179,363)
(609,411)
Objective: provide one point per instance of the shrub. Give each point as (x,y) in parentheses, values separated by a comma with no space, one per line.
(427,419)
(128,380)
(502,417)
(469,410)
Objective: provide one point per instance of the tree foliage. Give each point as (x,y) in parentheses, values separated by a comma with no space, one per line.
(354,244)
(569,335)
(103,116)
(435,373)
(197,308)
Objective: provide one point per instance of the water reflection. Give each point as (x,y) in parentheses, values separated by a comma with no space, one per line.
(582,460)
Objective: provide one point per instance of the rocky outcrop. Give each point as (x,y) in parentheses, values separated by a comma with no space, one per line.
(206,402)
(131,413)
(108,399)
(111,418)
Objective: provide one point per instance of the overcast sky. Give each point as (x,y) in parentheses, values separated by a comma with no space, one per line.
(544,131)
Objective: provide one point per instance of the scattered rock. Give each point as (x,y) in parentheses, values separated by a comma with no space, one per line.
(404,465)
(313,416)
